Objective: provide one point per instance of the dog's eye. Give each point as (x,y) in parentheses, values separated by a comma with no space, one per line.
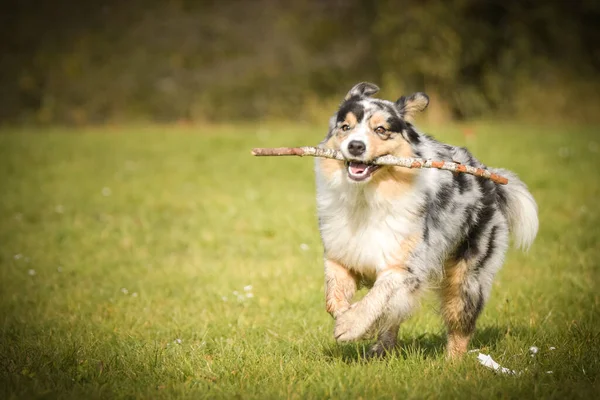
(345,127)
(380,130)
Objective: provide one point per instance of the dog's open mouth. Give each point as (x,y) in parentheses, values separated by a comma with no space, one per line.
(358,171)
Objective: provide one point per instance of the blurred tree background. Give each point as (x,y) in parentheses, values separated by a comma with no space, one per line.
(111,61)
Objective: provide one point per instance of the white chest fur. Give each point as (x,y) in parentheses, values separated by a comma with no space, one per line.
(360,228)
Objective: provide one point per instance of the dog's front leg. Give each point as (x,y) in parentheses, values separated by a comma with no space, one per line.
(393,290)
(340,287)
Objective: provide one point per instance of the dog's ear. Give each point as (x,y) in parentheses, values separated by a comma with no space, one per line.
(363,89)
(409,106)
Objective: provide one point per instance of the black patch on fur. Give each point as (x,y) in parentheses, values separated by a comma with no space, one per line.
(463,182)
(386,107)
(418,154)
(351,105)
(429,217)
(490,249)
(396,124)
(413,136)
(477,225)
(443,197)
(473,305)
(434,207)
(488,189)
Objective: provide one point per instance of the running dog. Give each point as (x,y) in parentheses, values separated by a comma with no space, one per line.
(396,230)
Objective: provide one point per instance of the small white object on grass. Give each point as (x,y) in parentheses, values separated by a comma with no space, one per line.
(31,272)
(249,295)
(124,290)
(488,361)
(552,348)
(533,350)
(304,247)
(247,288)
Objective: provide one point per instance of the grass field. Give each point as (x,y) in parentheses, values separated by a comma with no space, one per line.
(127,256)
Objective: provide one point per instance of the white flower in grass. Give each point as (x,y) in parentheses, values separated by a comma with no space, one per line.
(106,191)
(134,294)
(18,256)
(533,350)
(224,298)
(304,247)
(552,348)
(178,341)
(249,295)
(247,288)
(31,272)
(124,290)
(235,293)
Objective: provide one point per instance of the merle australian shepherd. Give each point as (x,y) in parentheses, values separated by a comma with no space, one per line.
(399,230)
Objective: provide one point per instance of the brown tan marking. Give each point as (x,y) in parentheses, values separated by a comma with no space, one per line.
(391,181)
(453,306)
(340,287)
(457,345)
(379,119)
(407,246)
(350,119)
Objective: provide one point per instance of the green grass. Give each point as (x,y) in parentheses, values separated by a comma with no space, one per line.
(117,248)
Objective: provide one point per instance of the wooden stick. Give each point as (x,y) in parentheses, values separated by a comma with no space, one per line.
(406,162)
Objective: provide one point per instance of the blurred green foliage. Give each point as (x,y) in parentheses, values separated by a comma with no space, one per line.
(111,61)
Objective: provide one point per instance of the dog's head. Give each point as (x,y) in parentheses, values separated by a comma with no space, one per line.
(365,128)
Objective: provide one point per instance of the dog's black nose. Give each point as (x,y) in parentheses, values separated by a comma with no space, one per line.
(356,147)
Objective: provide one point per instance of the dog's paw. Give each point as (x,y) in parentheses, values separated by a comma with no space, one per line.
(350,326)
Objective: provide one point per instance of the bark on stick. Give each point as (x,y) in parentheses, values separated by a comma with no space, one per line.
(406,162)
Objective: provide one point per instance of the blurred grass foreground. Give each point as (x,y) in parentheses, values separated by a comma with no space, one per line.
(181,60)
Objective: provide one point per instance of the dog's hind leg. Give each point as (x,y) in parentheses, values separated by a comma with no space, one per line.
(386,341)
(462,302)
(467,284)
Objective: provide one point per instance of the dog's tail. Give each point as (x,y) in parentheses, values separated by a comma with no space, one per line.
(520,208)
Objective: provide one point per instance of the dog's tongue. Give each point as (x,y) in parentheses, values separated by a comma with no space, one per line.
(357,168)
